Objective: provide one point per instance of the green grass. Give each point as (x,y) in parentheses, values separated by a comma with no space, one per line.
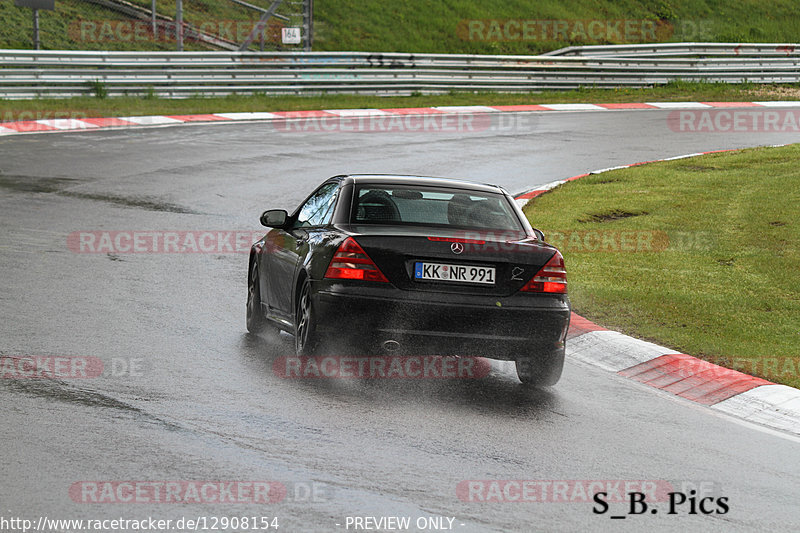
(92,106)
(433,26)
(720,281)
(437,25)
(62,29)
(59,29)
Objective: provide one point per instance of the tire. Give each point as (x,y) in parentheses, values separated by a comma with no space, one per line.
(306,339)
(540,371)
(256,321)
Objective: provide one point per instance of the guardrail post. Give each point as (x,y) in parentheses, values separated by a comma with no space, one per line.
(35,29)
(179,24)
(308,24)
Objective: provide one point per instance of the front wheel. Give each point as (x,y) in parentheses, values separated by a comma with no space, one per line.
(306,338)
(542,371)
(256,322)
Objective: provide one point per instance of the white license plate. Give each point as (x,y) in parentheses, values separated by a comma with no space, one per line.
(462,273)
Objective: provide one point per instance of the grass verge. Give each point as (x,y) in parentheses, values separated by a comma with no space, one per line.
(700,255)
(435,27)
(93,106)
(381,25)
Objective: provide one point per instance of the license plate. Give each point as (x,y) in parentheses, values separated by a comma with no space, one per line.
(461,273)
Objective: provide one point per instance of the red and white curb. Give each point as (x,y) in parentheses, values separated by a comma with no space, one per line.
(729,391)
(90,124)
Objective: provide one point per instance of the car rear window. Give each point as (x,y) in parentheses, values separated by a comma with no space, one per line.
(409,205)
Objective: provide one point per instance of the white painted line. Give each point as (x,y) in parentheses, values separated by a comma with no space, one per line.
(776,406)
(152,120)
(357,112)
(67,124)
(7,131)
(612,350)
(679,105)
(785,416)
(786,103)
(248,116)
(685,156)
(466,109)
(522,202)
(549,185)
(609,169)
(756,400)
(574,107)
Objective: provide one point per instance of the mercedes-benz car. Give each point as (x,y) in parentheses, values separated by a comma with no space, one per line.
(379,264)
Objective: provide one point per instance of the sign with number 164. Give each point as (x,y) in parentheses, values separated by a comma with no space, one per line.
(290,35)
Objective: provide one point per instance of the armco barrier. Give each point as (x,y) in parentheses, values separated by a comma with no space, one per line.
(30,74)
(753,50)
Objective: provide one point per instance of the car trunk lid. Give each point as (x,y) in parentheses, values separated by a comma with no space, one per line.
(416,258)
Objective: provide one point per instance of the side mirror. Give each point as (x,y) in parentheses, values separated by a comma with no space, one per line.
(274,218)
(540,234)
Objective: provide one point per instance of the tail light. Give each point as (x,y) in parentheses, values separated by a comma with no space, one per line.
(552,277)
(351,262)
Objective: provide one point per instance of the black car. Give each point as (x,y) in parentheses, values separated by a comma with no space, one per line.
(412,265)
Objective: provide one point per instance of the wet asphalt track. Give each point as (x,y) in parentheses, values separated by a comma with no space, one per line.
(206,405)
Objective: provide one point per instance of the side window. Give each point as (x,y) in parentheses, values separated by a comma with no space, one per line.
(318,209)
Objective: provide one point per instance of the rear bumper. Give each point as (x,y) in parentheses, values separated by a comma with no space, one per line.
(428,322)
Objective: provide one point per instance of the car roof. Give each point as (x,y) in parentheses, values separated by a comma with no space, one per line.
(423,181)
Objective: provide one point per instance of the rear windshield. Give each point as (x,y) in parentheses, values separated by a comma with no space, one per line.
(432,206)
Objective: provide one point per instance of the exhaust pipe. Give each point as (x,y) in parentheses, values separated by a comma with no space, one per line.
(391,345)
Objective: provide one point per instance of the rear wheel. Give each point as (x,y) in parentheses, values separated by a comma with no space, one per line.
(540,371)
(306,339)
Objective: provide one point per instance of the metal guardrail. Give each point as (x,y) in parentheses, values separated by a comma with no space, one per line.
(764,50)
(29,74)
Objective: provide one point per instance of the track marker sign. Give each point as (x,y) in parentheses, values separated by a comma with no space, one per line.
(290,35)
(36,4)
